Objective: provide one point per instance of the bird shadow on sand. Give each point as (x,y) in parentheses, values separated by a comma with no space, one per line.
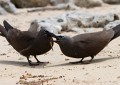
(25,64)
(94,61)
(21,64)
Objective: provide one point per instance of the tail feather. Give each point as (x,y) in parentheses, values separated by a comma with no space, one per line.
(3,31)
(7,25)
(117,32)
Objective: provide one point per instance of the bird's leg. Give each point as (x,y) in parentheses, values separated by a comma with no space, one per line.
(36,59)
(92,57)
(29,61)
(51,44)
(81,61)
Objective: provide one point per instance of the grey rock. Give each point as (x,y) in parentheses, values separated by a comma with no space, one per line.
(88,3)
(75,3)
(64,4)
(90,20)
(56,2)
(53,24)
(102,20)
(112,1)
(9,7)
(2,11)
(67,6)
(112,24)
(36,25)
(71,20)
(79,20)
(30,3)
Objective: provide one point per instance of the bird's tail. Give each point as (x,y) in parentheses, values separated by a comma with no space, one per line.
(7,25)
(116,29)
(3,31)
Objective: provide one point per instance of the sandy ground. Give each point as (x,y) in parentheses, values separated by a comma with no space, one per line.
(14,68)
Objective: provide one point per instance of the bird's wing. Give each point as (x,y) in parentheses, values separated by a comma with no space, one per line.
(27,36)
(93,42)
(35,40)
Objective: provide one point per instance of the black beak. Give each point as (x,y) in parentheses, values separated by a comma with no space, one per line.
(50,34)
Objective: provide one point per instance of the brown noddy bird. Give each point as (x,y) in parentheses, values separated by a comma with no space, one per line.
(85,45)
(26,42)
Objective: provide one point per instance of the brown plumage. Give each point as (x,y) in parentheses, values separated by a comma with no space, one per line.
(85,45)
(25,42)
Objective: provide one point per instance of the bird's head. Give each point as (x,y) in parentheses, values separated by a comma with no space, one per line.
(59,38)
(50,34)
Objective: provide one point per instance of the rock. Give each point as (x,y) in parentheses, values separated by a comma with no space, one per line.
(30,3)
(2,11)
(53,24)
(88,3)
(64,4)
(67,6)
(8,6)
(71,20)
(79,3)
(36,25)
(75,4)
(102,20)
(90,20)
(58,23)
(112,24)
(112,1)
(56,2)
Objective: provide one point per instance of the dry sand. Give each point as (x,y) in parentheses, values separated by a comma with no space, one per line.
(104,70)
